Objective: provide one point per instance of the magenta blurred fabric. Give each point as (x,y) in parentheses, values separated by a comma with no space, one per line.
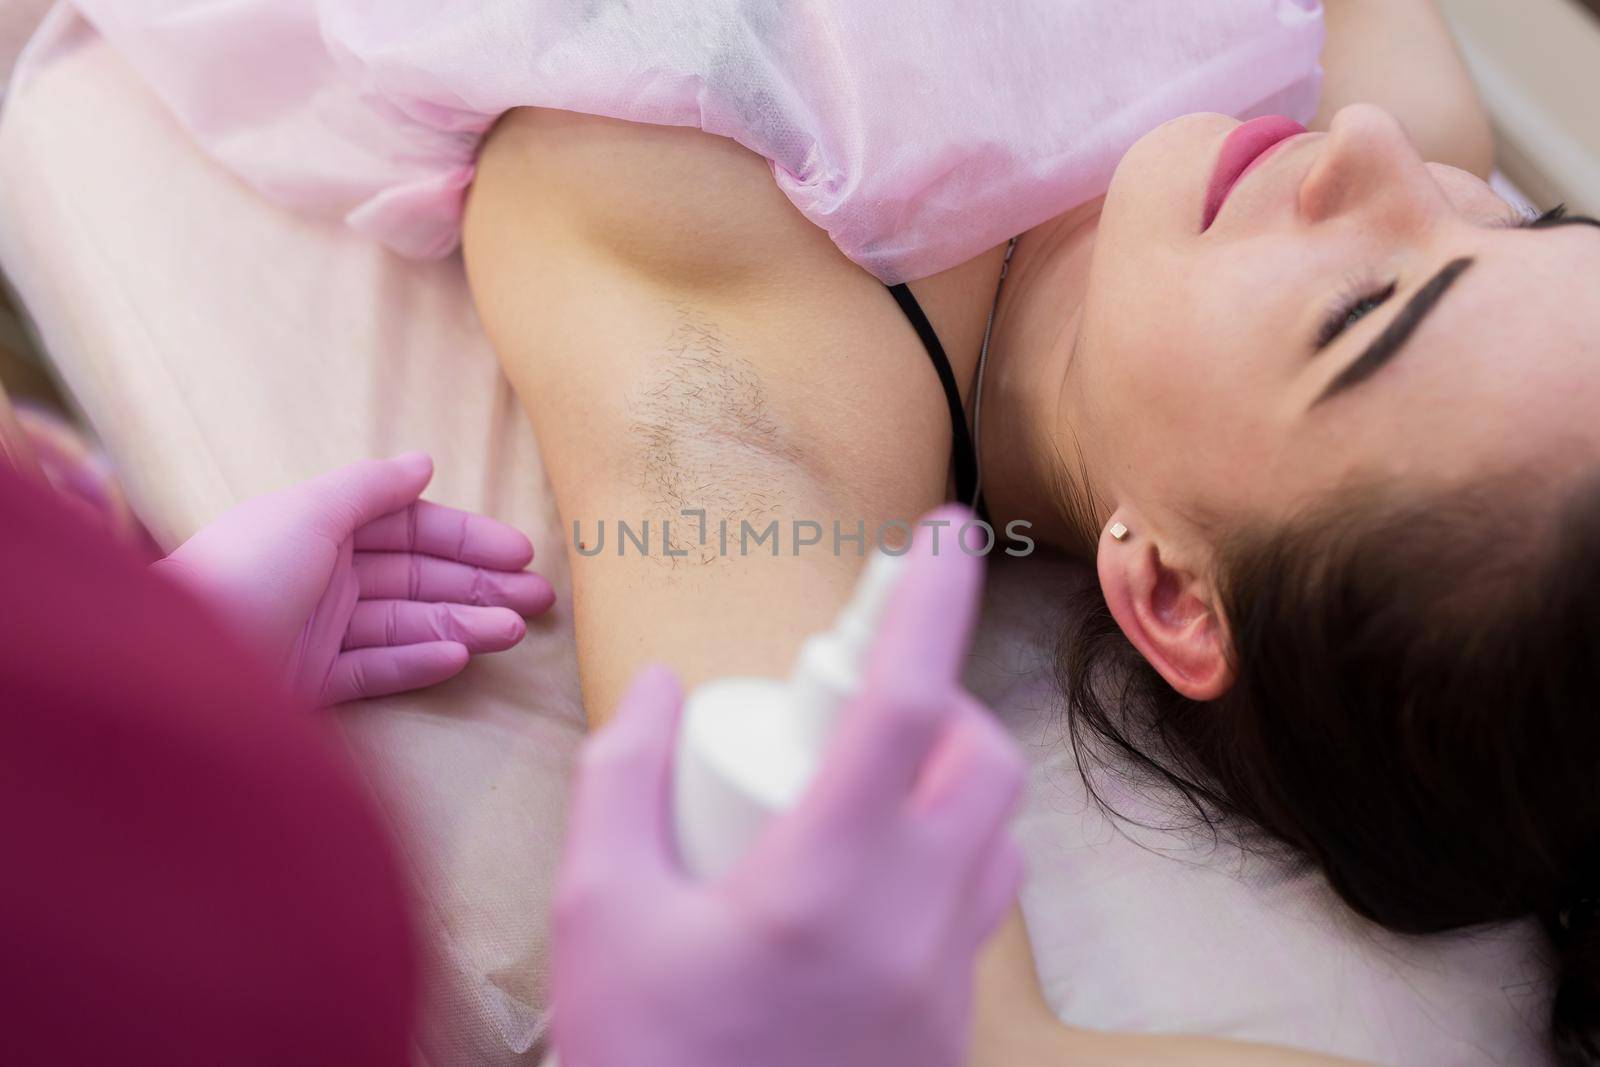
(917,133)
(193,873)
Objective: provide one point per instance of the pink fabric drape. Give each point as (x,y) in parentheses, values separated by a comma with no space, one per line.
(917,133)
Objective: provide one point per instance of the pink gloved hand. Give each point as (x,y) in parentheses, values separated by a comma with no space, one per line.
(848,936)
(358,588)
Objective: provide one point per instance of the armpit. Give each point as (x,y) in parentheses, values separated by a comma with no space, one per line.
(707,439)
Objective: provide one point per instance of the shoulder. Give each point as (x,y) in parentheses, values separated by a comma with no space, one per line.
(676,204)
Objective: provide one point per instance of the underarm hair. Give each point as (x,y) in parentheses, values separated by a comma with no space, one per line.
(706,439)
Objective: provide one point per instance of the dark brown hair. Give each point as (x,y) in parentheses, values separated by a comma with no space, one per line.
(1414,713)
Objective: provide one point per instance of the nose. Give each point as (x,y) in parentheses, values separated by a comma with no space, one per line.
(1369,168)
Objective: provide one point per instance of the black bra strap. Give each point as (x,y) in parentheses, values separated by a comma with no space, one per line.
(964,456)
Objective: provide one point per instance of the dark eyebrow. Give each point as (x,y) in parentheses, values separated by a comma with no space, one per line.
(1410,318)
(1399,331)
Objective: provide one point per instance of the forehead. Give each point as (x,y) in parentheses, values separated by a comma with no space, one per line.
(1528,308)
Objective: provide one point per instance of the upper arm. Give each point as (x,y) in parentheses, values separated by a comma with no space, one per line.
(685,341)
(1401,55)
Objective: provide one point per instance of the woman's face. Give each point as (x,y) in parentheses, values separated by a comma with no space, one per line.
(1353,310)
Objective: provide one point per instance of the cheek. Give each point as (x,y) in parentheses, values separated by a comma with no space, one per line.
(1152,381)
(1158,191)
(1177,373)
(1165,340)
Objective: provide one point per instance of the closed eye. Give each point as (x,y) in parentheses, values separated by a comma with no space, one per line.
(1556,217)
(1350,308)
(1404,323)
(1361,299)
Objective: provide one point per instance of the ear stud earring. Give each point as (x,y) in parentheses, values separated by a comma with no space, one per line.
(1118,531)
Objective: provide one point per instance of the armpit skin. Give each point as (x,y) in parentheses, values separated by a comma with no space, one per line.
(707,443)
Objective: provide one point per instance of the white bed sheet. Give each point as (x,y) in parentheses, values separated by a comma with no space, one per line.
(222,348)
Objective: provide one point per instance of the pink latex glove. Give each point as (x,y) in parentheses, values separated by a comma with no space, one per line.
(358,588)
(849,935)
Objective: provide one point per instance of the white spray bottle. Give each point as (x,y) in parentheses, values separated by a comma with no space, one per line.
(748,747)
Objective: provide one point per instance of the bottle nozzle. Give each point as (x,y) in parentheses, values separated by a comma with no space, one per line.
(858,622)
(831,663)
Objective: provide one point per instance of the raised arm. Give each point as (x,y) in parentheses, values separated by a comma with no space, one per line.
(1400,54)
(684,340)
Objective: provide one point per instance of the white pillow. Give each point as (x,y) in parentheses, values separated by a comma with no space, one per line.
(1137,929)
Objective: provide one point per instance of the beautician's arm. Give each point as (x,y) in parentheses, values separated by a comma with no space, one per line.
(1401,55)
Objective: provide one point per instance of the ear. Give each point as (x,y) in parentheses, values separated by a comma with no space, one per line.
(1168,614)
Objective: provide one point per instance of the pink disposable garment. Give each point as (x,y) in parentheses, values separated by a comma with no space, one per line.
(917,133)
(358,589)
(848,936)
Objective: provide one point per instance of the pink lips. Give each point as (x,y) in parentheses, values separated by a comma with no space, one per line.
(1244,148)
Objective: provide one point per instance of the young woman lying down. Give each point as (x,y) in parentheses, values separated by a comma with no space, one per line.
(1321,416)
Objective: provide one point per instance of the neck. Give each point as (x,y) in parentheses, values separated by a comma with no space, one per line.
(1033,466)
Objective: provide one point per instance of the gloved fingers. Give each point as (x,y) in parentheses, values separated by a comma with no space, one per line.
(375,672)
(407,576)
(966,799)
(913,674)
(995,891)
(928,622)
(353,495)
(325,628)
(970,786)
(435,530)
(621,814)
(382,623)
